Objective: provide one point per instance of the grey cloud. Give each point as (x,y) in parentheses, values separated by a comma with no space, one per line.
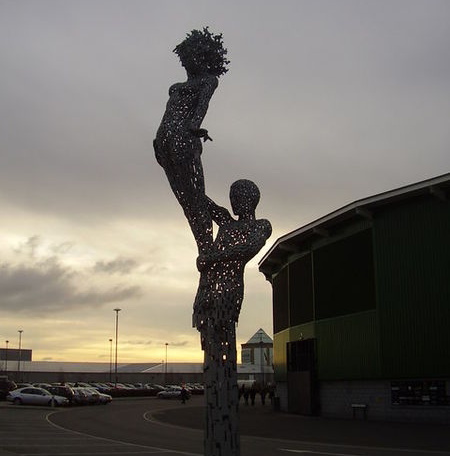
(29,247)
(138,342)
(120,265)
(48,286)
(179,344)
(87,150)
(62,248)
(118,293)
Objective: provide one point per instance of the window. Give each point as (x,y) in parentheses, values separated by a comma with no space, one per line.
(301,306)
(280,301)
(344,276)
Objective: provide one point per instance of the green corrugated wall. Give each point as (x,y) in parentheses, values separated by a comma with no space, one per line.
(412,255)
(408,334)
(280,340)
(347,347)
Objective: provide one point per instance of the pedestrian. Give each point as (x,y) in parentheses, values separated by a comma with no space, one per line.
(184,395)
(271,393)
(263,392)
(246,394)
(253,394)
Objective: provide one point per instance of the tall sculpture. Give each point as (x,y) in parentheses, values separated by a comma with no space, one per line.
(222,259)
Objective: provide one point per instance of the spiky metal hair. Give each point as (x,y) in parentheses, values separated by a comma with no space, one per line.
(204,51)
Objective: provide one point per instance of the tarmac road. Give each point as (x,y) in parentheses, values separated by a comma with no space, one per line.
(161,427)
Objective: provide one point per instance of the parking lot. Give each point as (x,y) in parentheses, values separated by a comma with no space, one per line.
(27,431)
(163,427)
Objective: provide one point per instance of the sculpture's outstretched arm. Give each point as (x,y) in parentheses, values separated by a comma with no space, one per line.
(218,214)
(239,250)
(206,90)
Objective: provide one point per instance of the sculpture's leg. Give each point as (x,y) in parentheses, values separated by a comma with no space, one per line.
(222,395)
(188,186)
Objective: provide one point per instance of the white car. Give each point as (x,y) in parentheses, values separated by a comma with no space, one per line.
(35,396)
(86,395)
(100,398)
(172,393)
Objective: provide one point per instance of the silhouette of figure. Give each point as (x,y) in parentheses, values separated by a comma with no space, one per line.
(217,305)
(178,142)
(221,261)
(221,288)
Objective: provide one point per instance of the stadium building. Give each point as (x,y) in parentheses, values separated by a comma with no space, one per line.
(361,308)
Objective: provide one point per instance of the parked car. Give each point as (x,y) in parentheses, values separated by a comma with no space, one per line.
(96,397)
(23,385)
(80,396)
(81,385)
(195,388)
(41,385)
(102,387)
(6,386)
(103,398)
(172,393)
(62,390)
(88,395)
(153,389)
(35,396)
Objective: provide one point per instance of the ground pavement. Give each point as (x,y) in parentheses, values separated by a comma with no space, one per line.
(263,421)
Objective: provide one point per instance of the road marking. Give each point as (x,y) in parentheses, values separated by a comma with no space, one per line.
(319,452)
(152,449)
(383,449)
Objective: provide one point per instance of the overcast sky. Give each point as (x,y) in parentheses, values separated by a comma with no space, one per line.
(326,102)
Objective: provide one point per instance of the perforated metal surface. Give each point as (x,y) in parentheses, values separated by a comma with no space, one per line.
(221,260)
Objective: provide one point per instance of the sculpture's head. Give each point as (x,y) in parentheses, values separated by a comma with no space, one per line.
(201,52)
(244,197)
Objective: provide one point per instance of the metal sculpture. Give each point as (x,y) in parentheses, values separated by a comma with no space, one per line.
(222,259)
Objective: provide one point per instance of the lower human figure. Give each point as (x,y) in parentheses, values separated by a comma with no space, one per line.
(221,288)
(216,310)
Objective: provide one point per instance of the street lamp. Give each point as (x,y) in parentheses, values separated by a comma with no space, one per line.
(6,358)
(117,335)
(20,331)
(261,352)
(165,365)
(110,360)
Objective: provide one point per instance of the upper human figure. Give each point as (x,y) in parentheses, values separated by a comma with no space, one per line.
(178,142)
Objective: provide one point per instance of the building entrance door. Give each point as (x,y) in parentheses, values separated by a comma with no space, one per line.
(302,378)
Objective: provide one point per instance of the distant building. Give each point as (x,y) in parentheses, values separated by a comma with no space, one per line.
(257,358)
(14,354)
(258,350)
(361,308)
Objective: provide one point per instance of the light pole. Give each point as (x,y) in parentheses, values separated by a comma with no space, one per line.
(117,310)
(165,365)
(6,358)
(20,331)
(110,360)
(261,348)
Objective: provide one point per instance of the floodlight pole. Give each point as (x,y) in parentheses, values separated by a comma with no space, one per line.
(6,358)
(110,360)
(20,331)
(165,365)
(117,310)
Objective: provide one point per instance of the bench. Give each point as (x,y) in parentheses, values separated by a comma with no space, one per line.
(362,407)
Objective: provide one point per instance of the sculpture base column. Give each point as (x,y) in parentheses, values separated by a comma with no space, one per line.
(222,395)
